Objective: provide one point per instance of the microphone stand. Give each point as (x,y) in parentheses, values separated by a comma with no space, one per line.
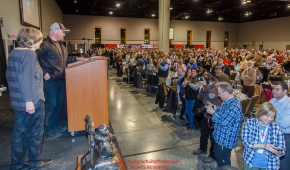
(88,47)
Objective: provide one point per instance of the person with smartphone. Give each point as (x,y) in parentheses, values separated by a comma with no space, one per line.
(263,140)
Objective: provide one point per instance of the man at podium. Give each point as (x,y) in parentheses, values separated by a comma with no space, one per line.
(52,60)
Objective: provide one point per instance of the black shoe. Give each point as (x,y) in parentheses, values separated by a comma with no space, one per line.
(52,134)
(61,128)
(197,129)
(43,163)
(198,152)
(181,118)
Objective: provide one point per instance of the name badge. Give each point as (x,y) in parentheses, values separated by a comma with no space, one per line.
(260,151)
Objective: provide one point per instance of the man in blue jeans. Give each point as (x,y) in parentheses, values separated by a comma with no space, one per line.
(227,119)
(52,59)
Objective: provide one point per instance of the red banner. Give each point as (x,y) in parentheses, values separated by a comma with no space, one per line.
(110,45)
(179,45)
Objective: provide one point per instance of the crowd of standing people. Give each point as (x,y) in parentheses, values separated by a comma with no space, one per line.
(36,81)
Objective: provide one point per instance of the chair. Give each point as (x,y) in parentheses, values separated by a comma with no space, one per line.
(174,82)
(152,81)
(257,90)
(232,81)
(251,105)
(233,76)
(245,104)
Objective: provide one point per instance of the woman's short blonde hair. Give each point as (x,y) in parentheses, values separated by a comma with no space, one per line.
(28,36)
(266,109)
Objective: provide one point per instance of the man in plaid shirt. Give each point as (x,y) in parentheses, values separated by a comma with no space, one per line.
(227,119)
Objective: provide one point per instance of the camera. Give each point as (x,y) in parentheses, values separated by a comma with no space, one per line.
(200,79)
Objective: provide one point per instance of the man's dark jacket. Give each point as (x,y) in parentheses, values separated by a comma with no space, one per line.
(50,59)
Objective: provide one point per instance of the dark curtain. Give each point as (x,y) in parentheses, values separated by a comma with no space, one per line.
(3,65)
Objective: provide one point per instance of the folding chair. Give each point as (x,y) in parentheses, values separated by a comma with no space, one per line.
(245,104)
(251,106)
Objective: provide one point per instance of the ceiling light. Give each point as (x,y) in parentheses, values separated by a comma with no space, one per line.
(118,4)
(288,6)
(75,1)
(153,15)
(209,11)
(248,1)
(77,10)
(244,1)
(186,17)
(220,18)
(248,13)
(111,12)
(170,8)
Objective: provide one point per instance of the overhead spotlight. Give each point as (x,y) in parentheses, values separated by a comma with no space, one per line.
(75,1)
(248,13)
(170,8)
(244,1)
(186,17)
(248,1)
(111,12)
(118,4)
(153,15)
(77,10)
(220,18)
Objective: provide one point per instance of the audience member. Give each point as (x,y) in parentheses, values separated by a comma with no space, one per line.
(207,93)
(263,140)
(163,70)
(191,91)
(227,119)
(249,78)
(259,75)
(180,68)
(281,103)
(220,75)
(181,92)
(226,69)
(276,75)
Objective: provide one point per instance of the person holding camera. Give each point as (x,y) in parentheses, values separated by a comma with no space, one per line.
(263,140)
(207,93)
(191,91)
(227,119)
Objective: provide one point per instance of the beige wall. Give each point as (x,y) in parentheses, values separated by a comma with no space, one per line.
(50,13)
(83,27)
(272,33)
(199,29)
(10,11)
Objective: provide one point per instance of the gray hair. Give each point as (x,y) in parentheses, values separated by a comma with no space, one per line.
(224,86)
(28,36)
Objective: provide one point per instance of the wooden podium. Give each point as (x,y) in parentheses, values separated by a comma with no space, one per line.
(87,92)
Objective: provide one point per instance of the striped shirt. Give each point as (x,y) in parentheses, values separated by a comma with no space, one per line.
(25,78)
(227,119)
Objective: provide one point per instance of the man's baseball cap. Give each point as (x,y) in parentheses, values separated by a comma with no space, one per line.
(60,26)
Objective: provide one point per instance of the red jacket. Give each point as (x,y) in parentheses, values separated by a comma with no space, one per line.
(268,94)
